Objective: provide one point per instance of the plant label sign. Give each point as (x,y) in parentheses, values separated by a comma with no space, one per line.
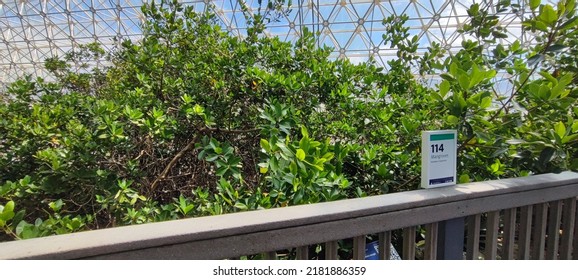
(438,158)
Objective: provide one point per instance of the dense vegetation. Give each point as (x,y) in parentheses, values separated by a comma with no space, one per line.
(191,121)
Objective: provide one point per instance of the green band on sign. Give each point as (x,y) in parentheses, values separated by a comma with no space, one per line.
(438,137)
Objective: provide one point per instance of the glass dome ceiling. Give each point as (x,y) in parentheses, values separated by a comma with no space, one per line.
(31,31)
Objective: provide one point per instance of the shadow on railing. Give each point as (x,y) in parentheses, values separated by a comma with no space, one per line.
(522,218)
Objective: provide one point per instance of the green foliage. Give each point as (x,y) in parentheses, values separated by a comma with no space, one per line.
(76,71)
(191,121)
(299,172)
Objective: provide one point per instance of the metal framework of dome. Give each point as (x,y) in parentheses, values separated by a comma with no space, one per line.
(31,31)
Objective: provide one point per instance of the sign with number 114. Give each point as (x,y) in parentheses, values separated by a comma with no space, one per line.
(438,158)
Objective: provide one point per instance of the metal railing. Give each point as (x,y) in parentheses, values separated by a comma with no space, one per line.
(522,218)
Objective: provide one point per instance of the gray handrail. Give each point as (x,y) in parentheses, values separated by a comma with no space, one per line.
(253,232)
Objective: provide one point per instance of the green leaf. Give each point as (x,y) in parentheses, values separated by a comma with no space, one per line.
(540,26)
(198,109)
(407,124)
(498,34)
(464,178)
(547,155)
(560,129)
(454,69)
(499,152)
(535,59)
(213,143)
(475,99)
(515,46)
(186,98)
(265,145)
(304,143)
(570,5)
(477,76)
(544,91)
(453,120)
(241,206)
(20,227)
(212,158)
(319,167)
(515,141)
(18,217)
(9,207)
(474,10)
(328,156)
(188,208)
(486,102)
(549,77)
(569,138)
(298,197)
(534,4)
(444,88)
(490,74)
(300,154)
(6,216)
(561,7)
(558,91)
(566,79)
(227,150)
(569,23)
(56,205)
(548,15)
(448,77)
(75,224)
(314,144)
(382,170)
(464,81)
(221,171)
(460,102)
(7,212)
(556,48)
(496,167)
(25,181)
(304,131)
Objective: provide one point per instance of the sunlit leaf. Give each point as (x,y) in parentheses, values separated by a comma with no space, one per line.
(300,154)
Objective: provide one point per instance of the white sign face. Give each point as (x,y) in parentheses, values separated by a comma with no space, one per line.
(438,158)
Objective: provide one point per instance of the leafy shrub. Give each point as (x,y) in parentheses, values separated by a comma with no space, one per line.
(191,121)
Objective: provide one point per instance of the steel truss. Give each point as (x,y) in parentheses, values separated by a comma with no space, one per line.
(31,31)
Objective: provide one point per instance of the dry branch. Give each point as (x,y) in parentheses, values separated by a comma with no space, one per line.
(190,146)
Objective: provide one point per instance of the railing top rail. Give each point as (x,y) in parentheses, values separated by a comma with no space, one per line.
(136,237)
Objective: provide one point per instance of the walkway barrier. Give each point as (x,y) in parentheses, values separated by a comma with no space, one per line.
(522,218)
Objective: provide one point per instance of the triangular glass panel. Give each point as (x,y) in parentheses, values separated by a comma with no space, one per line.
(401,7)
(340,15)
(326,39)
(362,10)
(422,11)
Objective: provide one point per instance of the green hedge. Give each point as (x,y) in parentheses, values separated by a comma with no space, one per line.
(191,121)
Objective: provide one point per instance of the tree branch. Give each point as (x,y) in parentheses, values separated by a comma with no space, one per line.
(231,130)
(180,154)
(409,181)
(189,147)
